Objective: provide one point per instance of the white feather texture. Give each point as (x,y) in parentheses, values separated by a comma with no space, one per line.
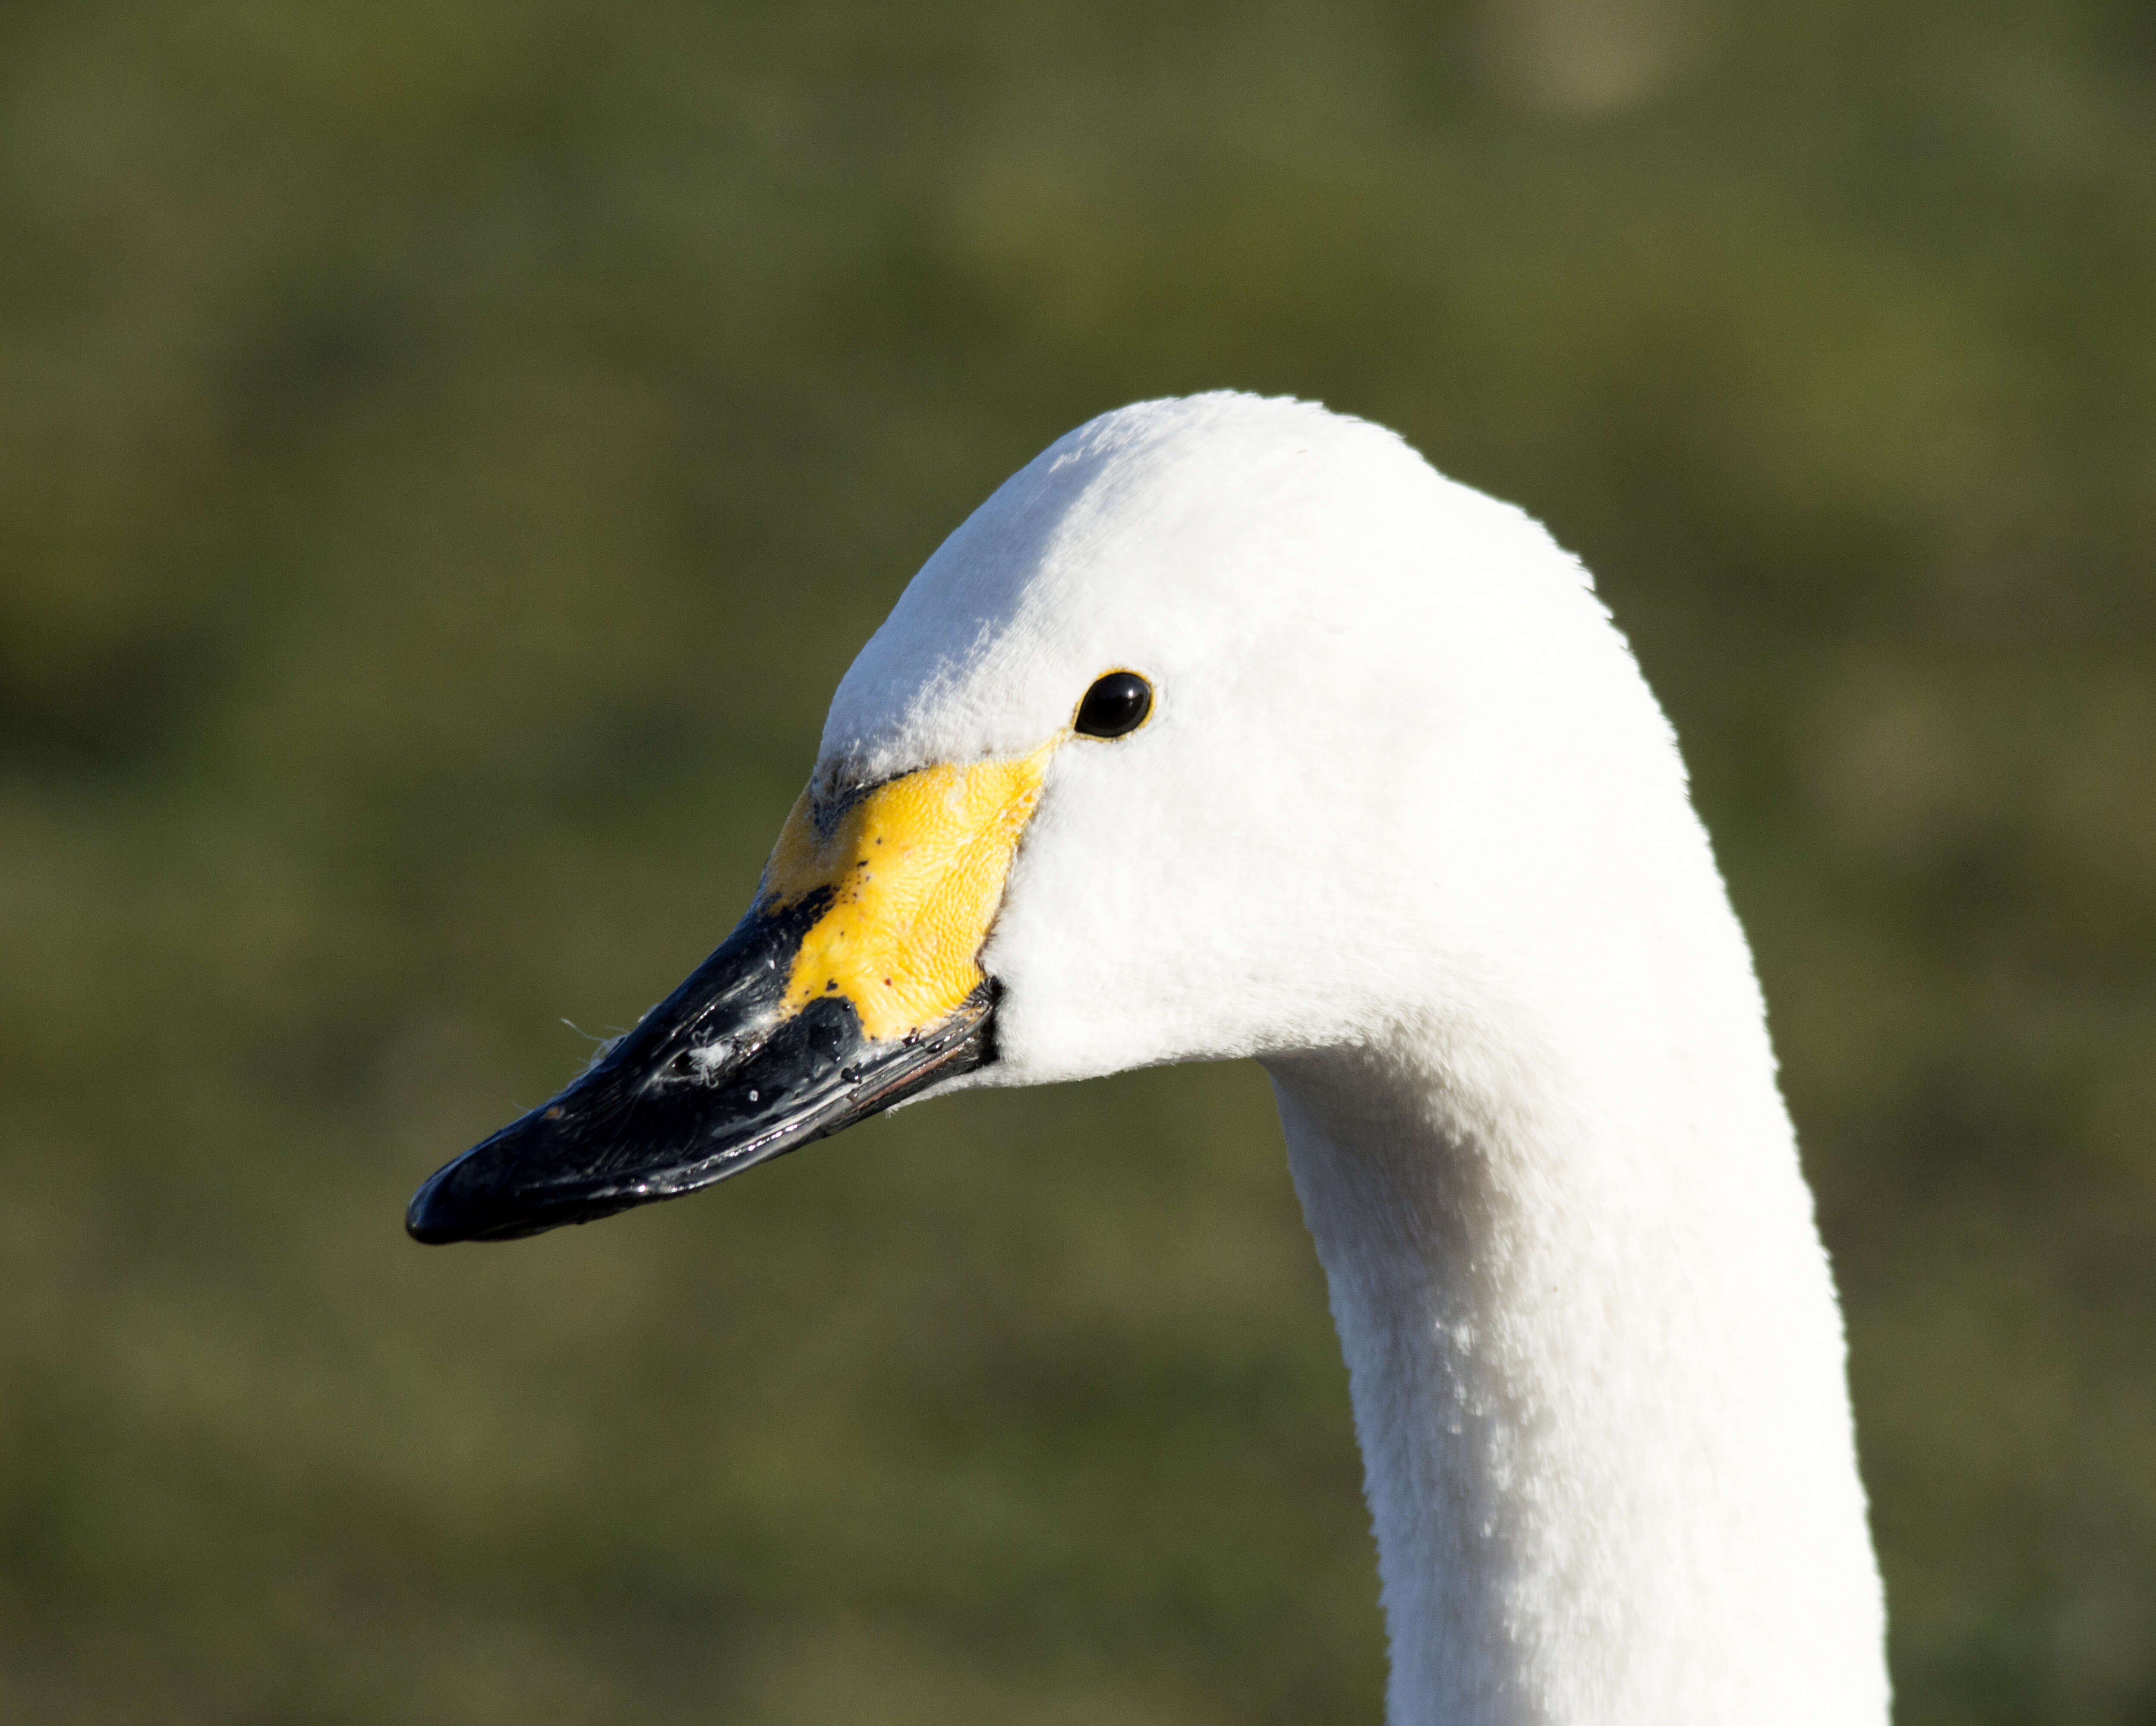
(1407,825)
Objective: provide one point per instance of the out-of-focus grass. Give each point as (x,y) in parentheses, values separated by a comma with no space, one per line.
(449,453)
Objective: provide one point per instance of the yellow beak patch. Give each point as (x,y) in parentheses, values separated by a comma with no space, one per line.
(915,868)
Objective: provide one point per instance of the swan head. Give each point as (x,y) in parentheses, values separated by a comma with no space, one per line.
(1357,740)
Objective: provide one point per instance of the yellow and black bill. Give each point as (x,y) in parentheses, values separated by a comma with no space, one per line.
(853,983)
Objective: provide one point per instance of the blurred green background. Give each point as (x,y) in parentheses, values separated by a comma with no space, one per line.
(449,453)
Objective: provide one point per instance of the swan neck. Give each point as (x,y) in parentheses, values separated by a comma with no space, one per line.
(1598,1374)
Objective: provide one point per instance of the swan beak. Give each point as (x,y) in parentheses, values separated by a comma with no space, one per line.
(852,984)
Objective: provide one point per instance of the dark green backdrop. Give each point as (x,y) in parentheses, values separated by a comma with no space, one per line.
(449,451)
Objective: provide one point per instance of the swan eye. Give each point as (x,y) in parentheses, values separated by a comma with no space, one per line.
(1116,704)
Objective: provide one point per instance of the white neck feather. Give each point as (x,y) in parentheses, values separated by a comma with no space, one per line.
(1596,1358)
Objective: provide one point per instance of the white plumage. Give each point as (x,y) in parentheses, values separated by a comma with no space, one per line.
(1407,825)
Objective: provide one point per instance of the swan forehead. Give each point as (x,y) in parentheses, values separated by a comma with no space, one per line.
(1162,538)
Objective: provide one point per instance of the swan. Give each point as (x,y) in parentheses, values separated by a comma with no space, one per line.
(1228,726)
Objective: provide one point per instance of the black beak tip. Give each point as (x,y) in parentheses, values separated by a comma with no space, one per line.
(437,1215)
(473,1198)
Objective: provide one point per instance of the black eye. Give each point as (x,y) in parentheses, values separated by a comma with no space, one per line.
(1117,704)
